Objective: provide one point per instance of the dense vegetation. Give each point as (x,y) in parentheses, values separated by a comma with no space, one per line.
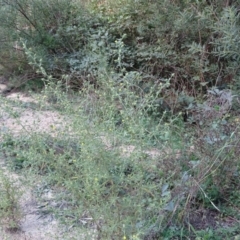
(160,75)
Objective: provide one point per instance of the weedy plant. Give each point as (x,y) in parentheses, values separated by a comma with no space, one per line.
(99,163)
(123,162)
(116,161)
(116,167)
(10,211)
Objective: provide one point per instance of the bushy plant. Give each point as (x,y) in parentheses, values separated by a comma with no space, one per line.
(10,212)
(120,191)
(194,47)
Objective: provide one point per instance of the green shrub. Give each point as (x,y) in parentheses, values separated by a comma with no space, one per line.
(159,39)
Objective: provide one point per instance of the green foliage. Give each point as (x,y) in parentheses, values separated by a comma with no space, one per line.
(159,39)
(101,182)
(124,158)
(117,165)
(10,213)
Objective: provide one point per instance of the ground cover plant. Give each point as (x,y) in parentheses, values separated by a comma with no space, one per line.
(148,91)
(10,212)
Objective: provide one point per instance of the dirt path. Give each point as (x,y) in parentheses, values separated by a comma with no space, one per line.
(33,226)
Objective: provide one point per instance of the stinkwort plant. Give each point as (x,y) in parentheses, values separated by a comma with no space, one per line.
(113,164)
(122,191)
(10,211)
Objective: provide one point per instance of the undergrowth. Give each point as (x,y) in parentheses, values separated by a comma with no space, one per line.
(146,93)
(10,211)
(129,173)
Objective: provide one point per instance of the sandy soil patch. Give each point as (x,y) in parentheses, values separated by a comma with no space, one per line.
(32,121)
